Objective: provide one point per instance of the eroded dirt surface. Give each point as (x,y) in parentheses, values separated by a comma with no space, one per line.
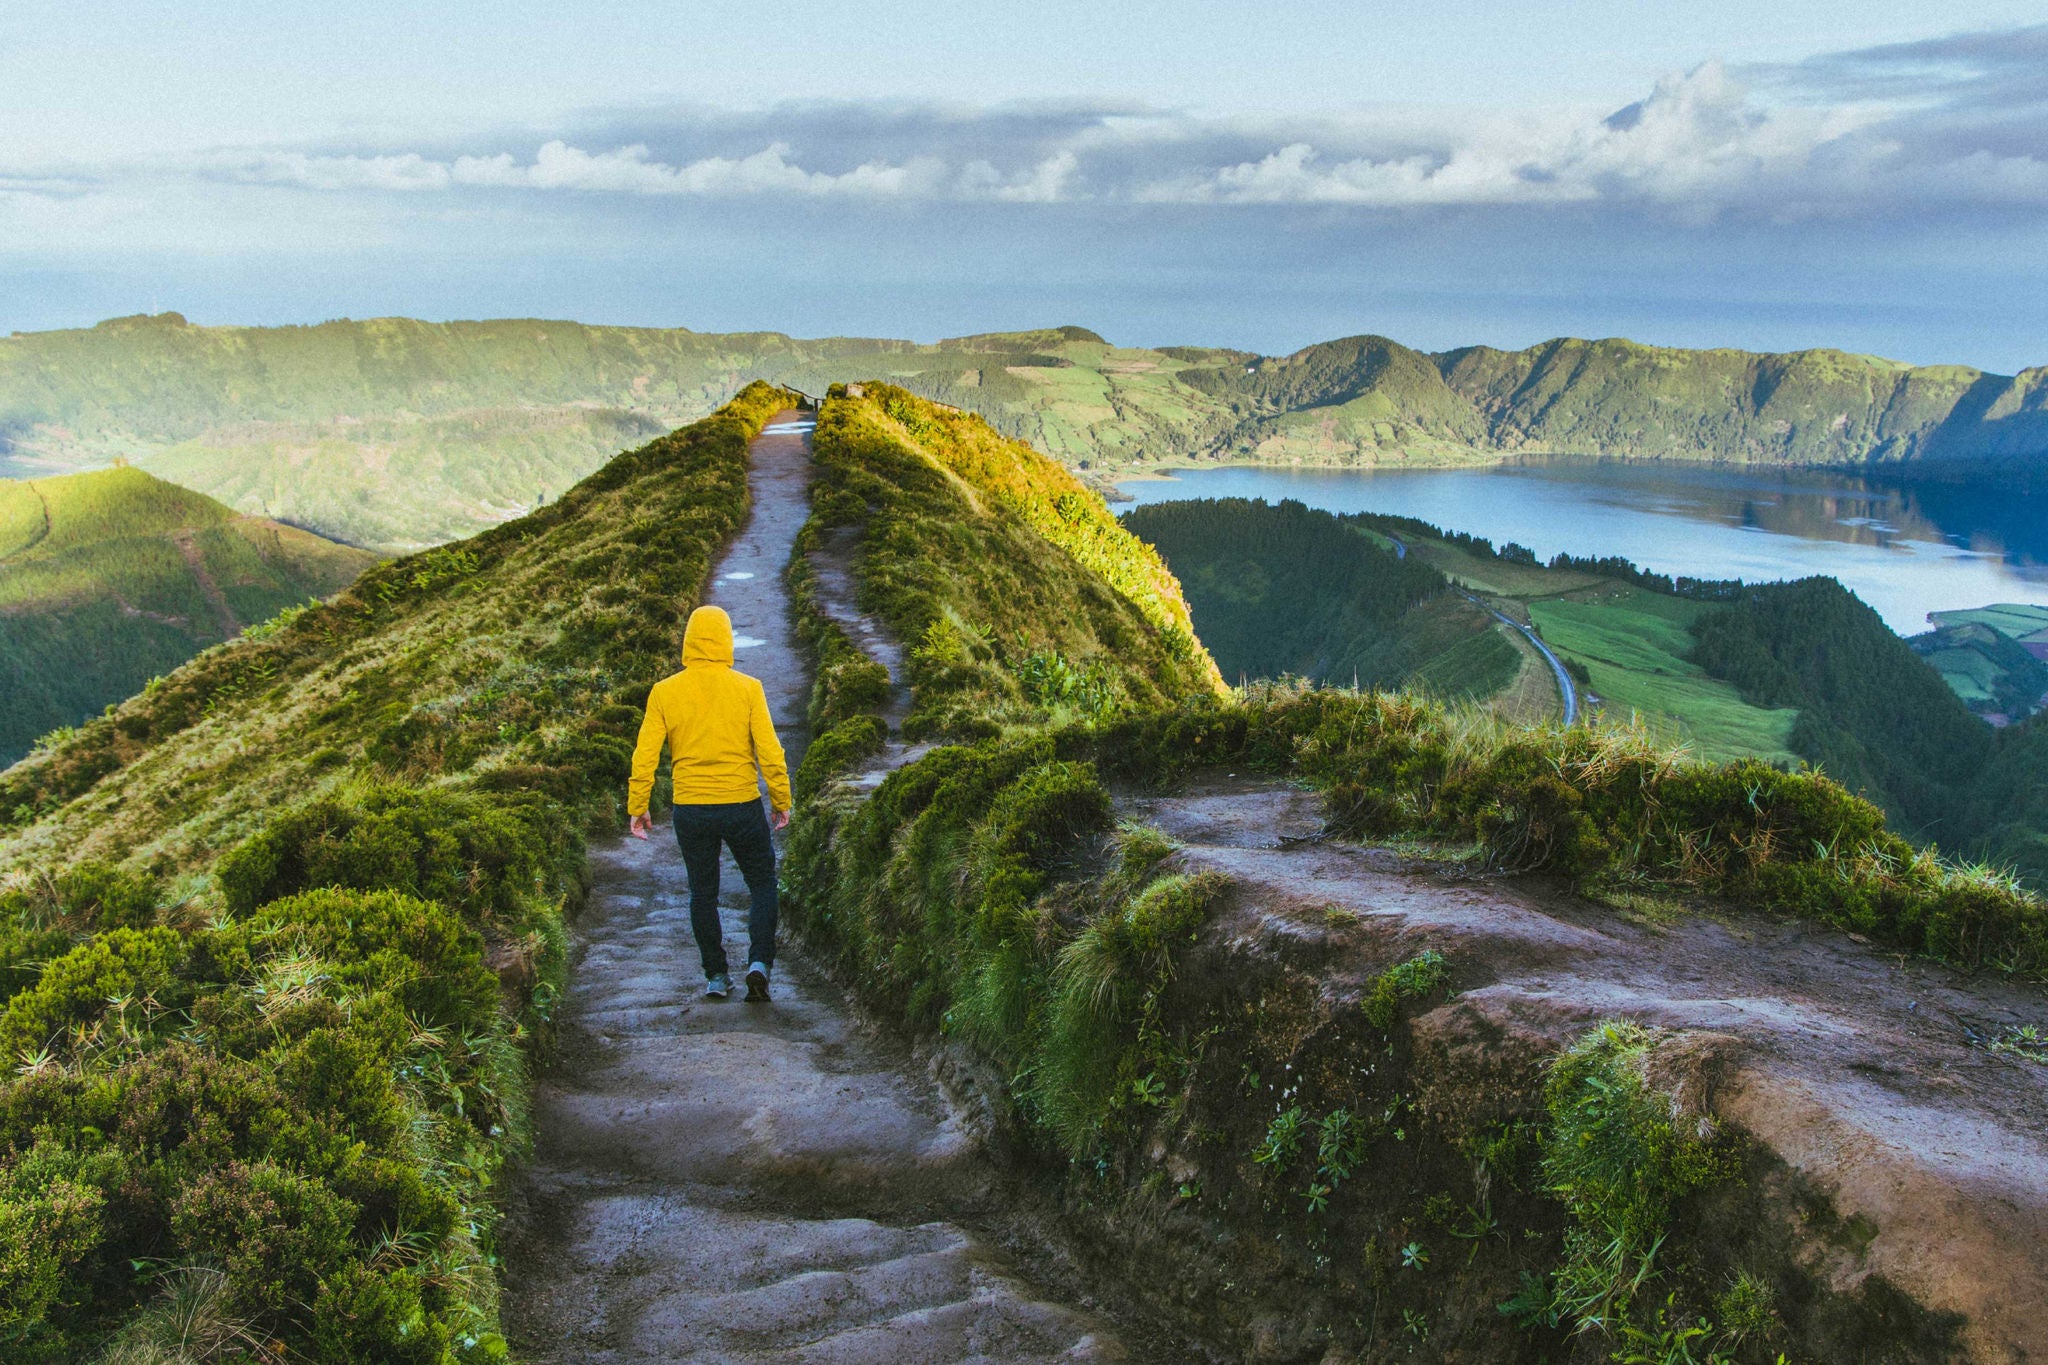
(1854,1066)
(731,1182)
(833,564)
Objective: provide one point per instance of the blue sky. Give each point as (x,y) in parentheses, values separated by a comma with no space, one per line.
(1771,175)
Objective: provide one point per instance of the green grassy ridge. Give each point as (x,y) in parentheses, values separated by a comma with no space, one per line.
(301,909)
(481,465)
(1617,397)
(99,591)
(1018,594)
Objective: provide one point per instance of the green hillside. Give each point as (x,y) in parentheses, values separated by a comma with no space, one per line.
(1292,591)
(301,907)
(110,578)
(394,434)
(1107,986)
(1790,673)
(1023,598)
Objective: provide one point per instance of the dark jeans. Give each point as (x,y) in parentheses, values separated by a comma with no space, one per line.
(741,826)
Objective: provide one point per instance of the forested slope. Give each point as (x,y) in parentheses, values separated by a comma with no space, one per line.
(1291,591)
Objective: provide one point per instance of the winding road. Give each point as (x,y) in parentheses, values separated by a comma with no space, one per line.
(1566,691)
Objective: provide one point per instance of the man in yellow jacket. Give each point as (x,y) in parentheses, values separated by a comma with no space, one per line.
(715,722)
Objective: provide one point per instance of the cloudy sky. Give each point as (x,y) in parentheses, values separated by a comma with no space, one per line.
(1761,173)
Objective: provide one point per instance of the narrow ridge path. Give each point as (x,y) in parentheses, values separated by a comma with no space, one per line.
(732,1182)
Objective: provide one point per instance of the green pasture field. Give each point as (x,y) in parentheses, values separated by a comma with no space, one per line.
(1633,646)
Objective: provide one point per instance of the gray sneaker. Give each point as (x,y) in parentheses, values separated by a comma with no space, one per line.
(757,981)
(718,987)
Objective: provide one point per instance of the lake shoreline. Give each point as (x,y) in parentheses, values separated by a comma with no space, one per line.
(1907,547)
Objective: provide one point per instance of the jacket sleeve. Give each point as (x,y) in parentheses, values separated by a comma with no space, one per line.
(646,756)
(768,751)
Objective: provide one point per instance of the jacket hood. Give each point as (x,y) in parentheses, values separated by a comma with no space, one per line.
(708,638)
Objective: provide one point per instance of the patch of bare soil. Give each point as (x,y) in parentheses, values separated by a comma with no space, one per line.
(719,1181)
(1898,1156)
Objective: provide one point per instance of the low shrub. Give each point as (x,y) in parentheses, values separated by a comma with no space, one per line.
(419,951)
(482,854)
(277,1234)
(971,893)
(1420,976)
(77,992)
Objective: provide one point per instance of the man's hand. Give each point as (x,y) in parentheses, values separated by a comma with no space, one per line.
(781,820)
(642,826)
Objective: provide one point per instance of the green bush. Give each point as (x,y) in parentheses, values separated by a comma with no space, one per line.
(276,1234)
(51,1218)
(1619,1160)
(108,897)
(81,988)
(967,893)
(836,750)
(419,951)
(1421,975)
(480,853)
(364,1314)
(25,948)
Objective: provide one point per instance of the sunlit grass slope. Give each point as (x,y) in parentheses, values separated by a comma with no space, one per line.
(274,934)
(1018,592)
(110,578)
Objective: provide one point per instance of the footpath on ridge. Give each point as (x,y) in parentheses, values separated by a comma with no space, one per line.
(732,1182)
(724,1182)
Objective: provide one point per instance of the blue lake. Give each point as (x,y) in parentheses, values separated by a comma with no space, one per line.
(1905,548)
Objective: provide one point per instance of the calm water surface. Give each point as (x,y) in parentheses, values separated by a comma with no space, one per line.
(1906,549)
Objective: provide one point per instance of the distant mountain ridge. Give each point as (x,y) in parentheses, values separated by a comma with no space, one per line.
(395,433)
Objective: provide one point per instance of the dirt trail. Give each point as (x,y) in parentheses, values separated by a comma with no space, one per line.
(1855,1067)
(832,562)
(726,1182)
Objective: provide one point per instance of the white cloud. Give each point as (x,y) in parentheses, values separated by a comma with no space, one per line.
(1861,134)
(559,166)
(1697,141)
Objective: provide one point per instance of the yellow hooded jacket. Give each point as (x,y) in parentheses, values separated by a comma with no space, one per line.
(715,721)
